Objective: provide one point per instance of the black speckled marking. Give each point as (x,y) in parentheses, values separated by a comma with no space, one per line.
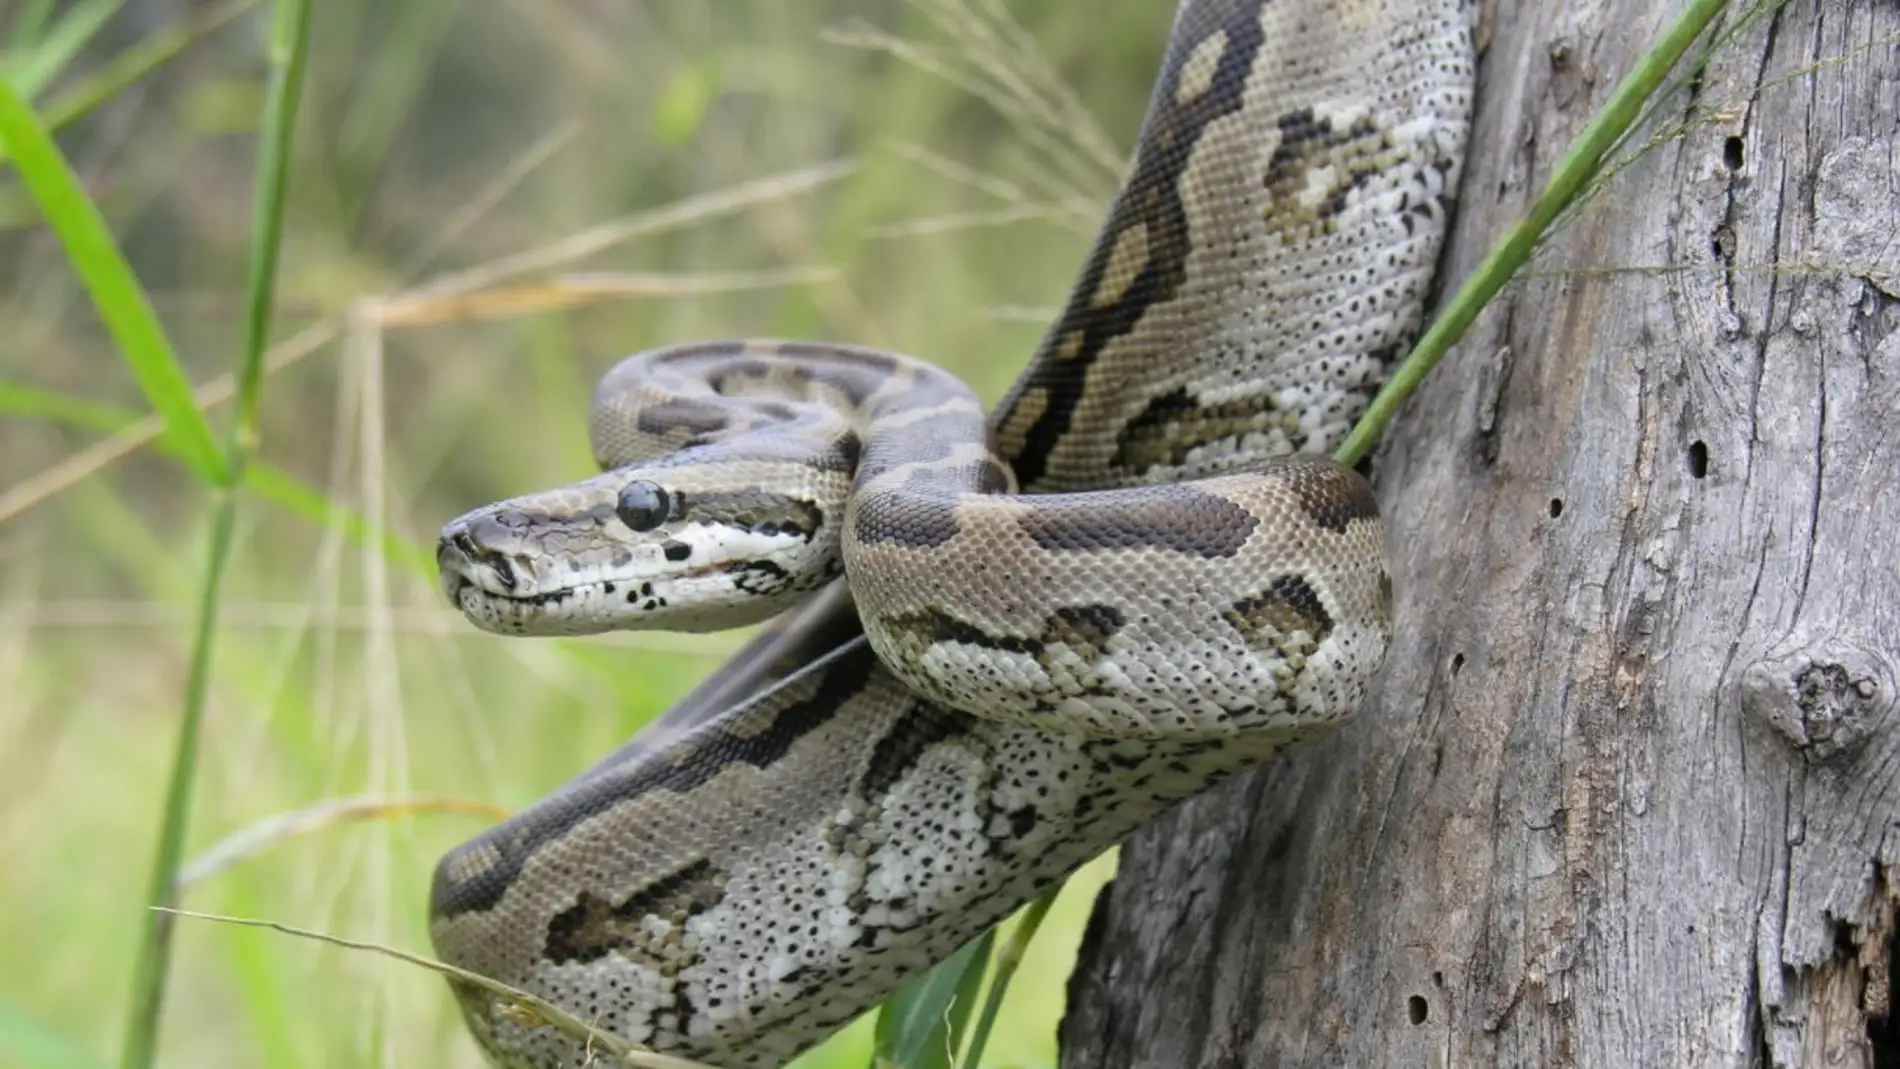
(1176,517)
(1152,198)
(762,578)
(1022,821)
(679,770)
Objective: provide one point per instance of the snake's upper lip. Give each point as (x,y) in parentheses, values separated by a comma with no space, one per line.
(463,563)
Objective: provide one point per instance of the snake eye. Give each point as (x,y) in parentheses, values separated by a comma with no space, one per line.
(642,506)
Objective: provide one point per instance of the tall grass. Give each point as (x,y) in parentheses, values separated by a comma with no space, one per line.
(152,964)
(488,207)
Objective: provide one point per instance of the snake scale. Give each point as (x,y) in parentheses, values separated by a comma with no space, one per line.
(1115,592)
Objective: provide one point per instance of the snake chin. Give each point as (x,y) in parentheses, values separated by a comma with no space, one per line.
(704,598)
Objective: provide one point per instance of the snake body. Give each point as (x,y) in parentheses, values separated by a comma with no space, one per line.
(1169,598)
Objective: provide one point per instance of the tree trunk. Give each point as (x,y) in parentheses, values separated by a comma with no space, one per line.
(1628,795)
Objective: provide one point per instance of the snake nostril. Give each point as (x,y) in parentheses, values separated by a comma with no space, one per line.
(466,545)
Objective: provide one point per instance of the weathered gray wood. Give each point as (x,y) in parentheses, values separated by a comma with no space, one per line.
(1628,797)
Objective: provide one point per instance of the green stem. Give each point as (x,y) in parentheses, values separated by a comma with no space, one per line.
(153,962)
(1579,165)
(152,965)
(1008,958)
(121,71)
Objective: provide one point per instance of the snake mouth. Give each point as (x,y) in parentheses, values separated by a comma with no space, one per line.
(464,565)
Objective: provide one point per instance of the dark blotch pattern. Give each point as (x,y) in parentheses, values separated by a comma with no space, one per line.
(1288,604)
(698,419)
(1304,137)
(1085,627)
(1331,497)
(1175,517)
(899,751)
(593,926)
(1155,438)
(1082,631)
(932,625)
(900,519)
(923,441)
(841,454)
(759,511)
(994,478)
(680,769)
(1151,197)
(830,365)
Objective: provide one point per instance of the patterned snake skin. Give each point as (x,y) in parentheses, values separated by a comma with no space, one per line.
(1170,599)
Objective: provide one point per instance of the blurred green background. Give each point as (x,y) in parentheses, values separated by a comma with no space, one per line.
(490,203)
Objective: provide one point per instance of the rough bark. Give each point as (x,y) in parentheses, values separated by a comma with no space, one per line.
(1628,796)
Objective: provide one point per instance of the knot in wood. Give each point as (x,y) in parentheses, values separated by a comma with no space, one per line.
(1825,698)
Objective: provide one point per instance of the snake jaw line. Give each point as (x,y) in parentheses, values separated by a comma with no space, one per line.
(685,575)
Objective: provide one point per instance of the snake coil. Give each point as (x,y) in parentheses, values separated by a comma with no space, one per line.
(1135,592)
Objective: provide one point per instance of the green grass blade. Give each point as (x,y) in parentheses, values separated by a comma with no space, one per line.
(109,281)
(54,51)
(267,222)
(1009,957)
(19,399)
(287,492)
(152,965)
(26,25)
(270,483)
(123,70)
(28,1044)
(922,1025)
(1579,165)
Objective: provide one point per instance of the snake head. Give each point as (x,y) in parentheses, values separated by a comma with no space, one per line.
(696,548)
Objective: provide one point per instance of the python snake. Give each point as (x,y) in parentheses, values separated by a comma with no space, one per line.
(1041,674)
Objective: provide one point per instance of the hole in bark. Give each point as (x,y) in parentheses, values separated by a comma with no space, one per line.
(1457,663)
(1416,1008)
(1438,979)
(1698,460)
(1883,1033)
(1556,507)
(1732,153)
(1722,243)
